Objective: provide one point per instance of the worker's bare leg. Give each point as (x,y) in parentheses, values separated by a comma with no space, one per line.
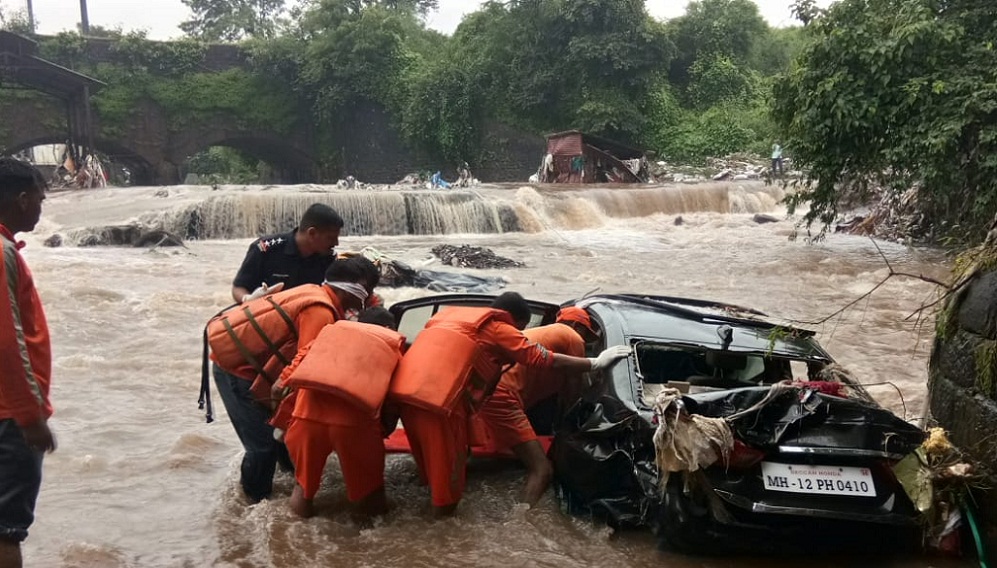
(302,507)
(440,512)
(10,553)
(373,505)
(539,470)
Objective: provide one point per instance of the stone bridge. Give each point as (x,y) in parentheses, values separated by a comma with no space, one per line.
(150,149)
(155,151)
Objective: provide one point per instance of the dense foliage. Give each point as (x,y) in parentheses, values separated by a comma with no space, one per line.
(171,74)
(897,94)
(687,88)
(229,20)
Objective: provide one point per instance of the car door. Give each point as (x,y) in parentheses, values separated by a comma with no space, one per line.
(412,315)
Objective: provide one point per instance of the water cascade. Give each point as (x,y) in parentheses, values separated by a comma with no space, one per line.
(250,212)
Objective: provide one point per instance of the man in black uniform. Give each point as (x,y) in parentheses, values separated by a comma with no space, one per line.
(290,259)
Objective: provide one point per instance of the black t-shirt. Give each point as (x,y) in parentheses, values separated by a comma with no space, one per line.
(276,258)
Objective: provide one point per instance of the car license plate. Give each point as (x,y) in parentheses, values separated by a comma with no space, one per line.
(818,479)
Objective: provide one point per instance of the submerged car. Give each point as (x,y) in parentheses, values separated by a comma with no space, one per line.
(812,454)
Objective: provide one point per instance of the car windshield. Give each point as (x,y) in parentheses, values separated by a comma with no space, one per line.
(691,368)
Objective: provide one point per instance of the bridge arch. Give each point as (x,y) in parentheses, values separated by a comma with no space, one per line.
(290,163)
(141,169)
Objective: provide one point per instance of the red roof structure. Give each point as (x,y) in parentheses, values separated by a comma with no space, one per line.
(576,157)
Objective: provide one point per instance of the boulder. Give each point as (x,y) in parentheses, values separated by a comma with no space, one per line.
(761,219)
(978,311)
(55,241)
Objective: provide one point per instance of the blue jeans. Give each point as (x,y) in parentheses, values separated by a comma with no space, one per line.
(250,422)
(20,480)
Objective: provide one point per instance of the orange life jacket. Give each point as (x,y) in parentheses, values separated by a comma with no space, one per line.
(353,361)
(262,333)
(447,366)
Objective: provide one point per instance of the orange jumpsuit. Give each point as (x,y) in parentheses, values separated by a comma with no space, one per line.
(504,414)
(440,441)
(322,424)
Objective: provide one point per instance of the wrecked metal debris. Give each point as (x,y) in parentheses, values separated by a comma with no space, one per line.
(467,256)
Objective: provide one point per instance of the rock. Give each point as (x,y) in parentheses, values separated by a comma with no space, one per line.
(679,221)
(162,192)
(158,238)
(55,241)
(978,311)
(761,219)
(725,174)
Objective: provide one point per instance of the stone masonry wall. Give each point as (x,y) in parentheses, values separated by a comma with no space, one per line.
(963,385)
(373,151)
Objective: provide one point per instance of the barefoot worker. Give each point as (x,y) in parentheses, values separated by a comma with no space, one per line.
(504,413)
(341,380)
(451,369)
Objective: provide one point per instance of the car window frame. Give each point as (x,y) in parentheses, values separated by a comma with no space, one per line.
(544,313)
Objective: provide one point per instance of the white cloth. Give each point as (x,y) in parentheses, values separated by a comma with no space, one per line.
(687,442)
(351,288)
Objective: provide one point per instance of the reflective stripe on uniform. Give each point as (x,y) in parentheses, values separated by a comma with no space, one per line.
(13,270)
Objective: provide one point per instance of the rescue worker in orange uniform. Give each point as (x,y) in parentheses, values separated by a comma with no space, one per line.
(451,368)
(340,381)
(504,413)
(252,343)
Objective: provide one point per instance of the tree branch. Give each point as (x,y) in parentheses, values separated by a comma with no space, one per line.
(892,273)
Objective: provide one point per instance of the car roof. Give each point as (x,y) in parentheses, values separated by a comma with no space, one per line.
(698,323)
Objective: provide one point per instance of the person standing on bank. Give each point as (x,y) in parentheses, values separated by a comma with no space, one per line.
(287,260)
(776,159)
(25,363)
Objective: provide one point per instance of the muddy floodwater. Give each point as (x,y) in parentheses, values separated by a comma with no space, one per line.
(140,480)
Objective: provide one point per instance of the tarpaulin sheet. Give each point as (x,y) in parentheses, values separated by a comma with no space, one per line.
(818,420)
(394,273)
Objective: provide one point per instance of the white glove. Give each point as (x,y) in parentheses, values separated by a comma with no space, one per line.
(610,357)
(263,290)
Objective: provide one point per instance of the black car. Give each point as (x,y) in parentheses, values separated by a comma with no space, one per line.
(811,464)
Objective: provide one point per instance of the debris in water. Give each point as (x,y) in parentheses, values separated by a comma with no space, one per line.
(467,256)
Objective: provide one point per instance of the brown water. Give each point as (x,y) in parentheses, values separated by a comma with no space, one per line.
(140,480)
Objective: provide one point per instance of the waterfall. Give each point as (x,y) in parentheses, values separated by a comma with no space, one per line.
(251,212)
(365,213)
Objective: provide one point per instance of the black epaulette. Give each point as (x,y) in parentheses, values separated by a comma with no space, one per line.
(267,243)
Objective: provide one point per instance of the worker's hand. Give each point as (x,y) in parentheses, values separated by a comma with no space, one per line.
(263,290)
(39,437)
(609,357)
(277,393)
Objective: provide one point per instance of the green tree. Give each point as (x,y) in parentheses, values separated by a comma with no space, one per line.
(897,94)
(556,64)
(16,21)
(719,79)
(712,28)
(231,20)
